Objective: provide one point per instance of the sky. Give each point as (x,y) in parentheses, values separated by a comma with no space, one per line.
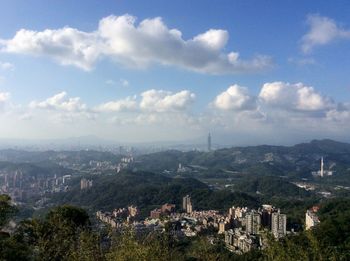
(248,72)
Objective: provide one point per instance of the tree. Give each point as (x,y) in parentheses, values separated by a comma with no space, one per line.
(6,210)
(59,232)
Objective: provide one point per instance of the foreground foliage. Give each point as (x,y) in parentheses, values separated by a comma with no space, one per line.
(66,234)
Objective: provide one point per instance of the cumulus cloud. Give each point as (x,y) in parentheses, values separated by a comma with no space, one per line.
(163,101)
(68,46)
(235,98)
(297,97)
(60,102)
(323,30)
(135,45)
(281,110)
(127,104)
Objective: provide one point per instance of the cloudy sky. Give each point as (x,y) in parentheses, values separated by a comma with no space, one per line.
(249,72)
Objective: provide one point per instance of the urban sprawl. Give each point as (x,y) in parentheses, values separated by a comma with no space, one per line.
(241,228)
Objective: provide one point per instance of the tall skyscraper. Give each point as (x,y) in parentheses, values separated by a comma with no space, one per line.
(186,204)
(209,142)
(278,224)
(321,171)
(266,213)
(253,222)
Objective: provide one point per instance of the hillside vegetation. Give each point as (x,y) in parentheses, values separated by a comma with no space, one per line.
(147,190)
(298,160)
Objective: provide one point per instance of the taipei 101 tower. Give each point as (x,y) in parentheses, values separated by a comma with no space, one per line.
(209,142)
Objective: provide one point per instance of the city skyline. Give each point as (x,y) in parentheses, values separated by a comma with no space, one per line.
(250,73)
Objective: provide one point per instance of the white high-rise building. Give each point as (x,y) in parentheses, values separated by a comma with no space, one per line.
(278,224)
(253,222)
(186,204)
(85,183)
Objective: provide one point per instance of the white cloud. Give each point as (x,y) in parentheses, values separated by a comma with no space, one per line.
(339,114)
(68,46)
(58,110)
(127,104)
(336,115)
(110,82)
(6,66)
(280,113)
(323,30)
(162,101)
(4,96)
(124,83)
(214,39)
(60,102)
(297,97)
(135,45)
(235,98)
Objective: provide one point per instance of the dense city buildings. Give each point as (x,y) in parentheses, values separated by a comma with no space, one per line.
(155,213)
(168,208)
(124,163)
(240,242)
(241,227)
(133,211)
(85,183)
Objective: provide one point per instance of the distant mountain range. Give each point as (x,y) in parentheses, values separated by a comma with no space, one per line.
(297,160)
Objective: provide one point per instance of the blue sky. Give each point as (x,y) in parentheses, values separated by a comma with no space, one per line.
(248,71)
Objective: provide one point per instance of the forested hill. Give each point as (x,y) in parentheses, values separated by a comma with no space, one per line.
(299,159)
(148,190)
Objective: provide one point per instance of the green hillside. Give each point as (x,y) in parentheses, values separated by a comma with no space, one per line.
(294,161)
(147,190)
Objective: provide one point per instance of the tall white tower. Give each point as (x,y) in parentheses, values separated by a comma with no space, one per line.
(321,173)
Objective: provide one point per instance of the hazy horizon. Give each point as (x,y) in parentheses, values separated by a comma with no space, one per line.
(94,142)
